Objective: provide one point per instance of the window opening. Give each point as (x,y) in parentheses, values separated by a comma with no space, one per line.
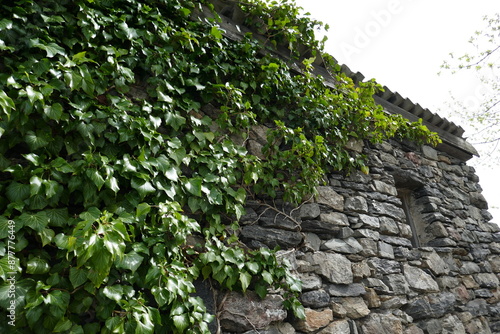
(405,196)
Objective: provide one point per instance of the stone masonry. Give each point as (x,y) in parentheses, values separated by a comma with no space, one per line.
(354,248)
(406,249)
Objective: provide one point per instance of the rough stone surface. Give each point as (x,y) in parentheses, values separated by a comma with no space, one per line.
(271,237)
(335,268)
(310,211)
(419,309)
(486,280)
(397,284)
(385,250)
(334,218)
(314,320)
(315,298)
(356,204)
(328,196)
(369,221)
(242,313)
(419,279)
(436,264)
(382,323)
(348,246)
(384,266)
(310,282)
(351,290)
(337,327)
(355,307)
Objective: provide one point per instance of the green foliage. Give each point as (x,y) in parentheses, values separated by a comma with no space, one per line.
(110,169)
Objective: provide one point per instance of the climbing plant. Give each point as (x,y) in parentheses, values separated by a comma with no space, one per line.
(120,190)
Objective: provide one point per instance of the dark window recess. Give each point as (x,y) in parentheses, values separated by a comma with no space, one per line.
(408,183)
(405,195)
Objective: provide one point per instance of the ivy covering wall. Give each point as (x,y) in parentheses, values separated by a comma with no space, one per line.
(108,165)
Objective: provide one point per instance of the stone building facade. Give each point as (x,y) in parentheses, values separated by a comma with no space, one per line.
(405,249)
(408,248)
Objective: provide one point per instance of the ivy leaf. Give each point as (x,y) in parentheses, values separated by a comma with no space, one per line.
(175,120)
(142,209)
(112,183)
(195,83)
(35,141)
(171,174)
(253,267)
(37,221)
(5,24)
(101,264)
(193,186)
(51,188)
(245,279)
(261,290)
(216,32)
(77,276)
(65,242)
(33,95)
(46,235)
(88,85)
(17,192)
(6,103)
(268,278)
(91,215)
(114,244)
(115,324)
(97,178)
(54,111)
(143,187)
(58,217)
(62,325)
(180,322)
(130,261)
(131,33)
(35,185)
(61,165)
(164,97)
(162,295)
(113,292)
(52,49)
(73,80)
(22,288)
(37,266)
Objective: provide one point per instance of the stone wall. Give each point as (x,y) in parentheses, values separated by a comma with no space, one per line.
(405,249)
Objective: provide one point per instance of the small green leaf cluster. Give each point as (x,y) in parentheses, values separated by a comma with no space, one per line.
(282,23)
(122,184)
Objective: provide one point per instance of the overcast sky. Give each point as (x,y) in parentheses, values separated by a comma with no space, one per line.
(402,43)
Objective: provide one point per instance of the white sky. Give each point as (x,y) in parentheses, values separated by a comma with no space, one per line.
(402,43)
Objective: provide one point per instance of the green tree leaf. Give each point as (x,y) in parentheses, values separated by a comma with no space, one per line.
(54,111)
(62,325)
(143,187)
(245,279)
(37,266)
(17,192)
(77,276)
(193,186)
(113,292)
(37,221)
(52,49)
(130,261)
(6,103)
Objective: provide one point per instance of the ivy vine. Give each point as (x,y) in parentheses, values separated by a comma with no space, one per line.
(110,167)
